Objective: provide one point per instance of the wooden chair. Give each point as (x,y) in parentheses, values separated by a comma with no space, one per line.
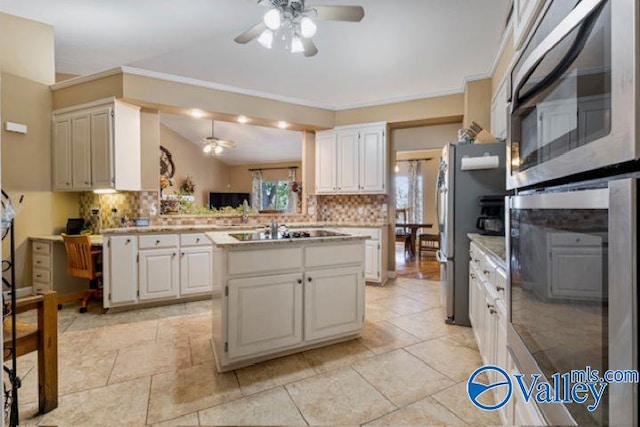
(428,243)
(401,217)
(41,337)
(82,262)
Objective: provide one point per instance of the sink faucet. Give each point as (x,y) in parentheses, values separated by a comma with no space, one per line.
(245,211)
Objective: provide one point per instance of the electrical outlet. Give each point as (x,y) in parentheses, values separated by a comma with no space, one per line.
(384,207)
(360,210)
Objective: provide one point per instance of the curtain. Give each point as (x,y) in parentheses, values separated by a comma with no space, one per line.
(415,192)
(292,203)
(256,190)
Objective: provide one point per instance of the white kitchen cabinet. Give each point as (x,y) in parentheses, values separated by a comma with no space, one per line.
(372,159)
(524,16)
(347,162)
(333,300)
(120,270)
(500,110)
(81,152)
(158,273)
(264,314)
(196,270)
(375,252)
(97,146)
(326,166)
(371,260)
(352,160)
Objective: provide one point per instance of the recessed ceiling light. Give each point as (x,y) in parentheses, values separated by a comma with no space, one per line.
(198,114)
(243,119)
(283,125)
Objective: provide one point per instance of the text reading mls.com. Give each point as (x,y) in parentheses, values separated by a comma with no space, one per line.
(584,386)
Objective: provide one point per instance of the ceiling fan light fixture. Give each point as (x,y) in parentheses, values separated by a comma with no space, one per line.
(243,119)
(273,19)
(296,45)
(308,28)
(218,149)
(207,149)
(283,124)
(266,39)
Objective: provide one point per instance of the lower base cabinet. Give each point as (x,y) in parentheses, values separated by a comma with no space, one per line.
(196,270)
(158,275)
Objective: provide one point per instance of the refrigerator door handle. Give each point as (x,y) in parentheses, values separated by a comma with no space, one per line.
(441,258)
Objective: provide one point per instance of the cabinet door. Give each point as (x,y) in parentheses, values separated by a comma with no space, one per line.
(121,270)
(264,314)
(196,270)
(372,160)
(102,165)
(500,112)
(524,14)
(326,163)
(473,297)
(333,302)
(158,273)
(347,161)
(61,153)
(81,151)
(372,260)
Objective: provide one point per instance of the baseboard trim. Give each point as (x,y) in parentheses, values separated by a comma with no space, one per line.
(20,293)
(392,275)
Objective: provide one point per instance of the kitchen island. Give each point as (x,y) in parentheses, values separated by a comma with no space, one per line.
(285,295)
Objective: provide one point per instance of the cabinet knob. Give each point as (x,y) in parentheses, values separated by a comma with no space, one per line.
(37,262)
(173,255)
(473,276)
(182,253)
(37,275)
(128,241)
(487,272)
(197,240)
(86,183)
(490,306)
(157,242)
(499,288)
(308,279)
(492,311)
(68,184)
(299,281)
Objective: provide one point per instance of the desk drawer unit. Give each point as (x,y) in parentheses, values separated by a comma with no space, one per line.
(41,266)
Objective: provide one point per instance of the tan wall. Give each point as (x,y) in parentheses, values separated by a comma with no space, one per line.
(240,176)
(154,92)
(27,64)
(503,65)
(26,49)
(424,137)
(421,109)
(106,87)
(60,77)
(149,150)
(207,172)
(477,103)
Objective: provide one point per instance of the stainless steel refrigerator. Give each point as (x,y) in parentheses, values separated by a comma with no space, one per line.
(457,203)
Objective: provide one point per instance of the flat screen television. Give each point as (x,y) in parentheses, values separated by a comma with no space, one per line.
(220,200)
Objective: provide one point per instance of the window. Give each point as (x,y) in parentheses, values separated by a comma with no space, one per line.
(402,191)
(275,195)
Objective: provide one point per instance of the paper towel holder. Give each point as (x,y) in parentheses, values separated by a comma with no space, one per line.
(486,161)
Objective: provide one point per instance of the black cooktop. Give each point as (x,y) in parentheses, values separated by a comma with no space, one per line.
(301,234)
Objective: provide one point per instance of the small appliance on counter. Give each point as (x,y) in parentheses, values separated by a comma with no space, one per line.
(74,226)
(491,219)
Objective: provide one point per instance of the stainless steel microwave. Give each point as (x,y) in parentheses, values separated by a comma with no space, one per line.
(574,99)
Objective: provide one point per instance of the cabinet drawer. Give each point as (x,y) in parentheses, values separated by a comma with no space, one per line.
(41,287)
(41,261)
(42,248)
(323,255)
(262,261)
(373,233)
(575,239)
(41,275)
(500,280)
(158,241)
(475,254)
(195,239)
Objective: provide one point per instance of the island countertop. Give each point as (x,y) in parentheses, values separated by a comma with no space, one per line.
(223,239)
(236,227)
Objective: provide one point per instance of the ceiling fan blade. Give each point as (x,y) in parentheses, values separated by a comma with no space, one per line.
(226,144)
(339,13)
(251,34)
(310,48)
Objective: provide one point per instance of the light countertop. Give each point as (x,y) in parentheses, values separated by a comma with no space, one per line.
(96,239)
(222,239)
(237,227)
(493,245)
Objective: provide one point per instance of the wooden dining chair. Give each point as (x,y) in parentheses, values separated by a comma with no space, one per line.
(82,262)
(428,243)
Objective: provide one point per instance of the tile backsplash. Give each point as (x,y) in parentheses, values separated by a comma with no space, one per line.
(144,204)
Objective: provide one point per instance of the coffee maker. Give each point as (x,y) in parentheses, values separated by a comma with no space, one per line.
(491,219)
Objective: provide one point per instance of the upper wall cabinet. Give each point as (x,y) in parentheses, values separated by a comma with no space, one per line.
(524,15)
(352,160)
(96,146)
(500,110)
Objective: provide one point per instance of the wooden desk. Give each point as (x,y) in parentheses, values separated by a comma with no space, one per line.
(413,228)
(49,266)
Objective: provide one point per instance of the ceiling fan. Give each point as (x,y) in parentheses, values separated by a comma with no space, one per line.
(292,23)
(215,146)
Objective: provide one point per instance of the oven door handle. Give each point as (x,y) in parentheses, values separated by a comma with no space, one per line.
(581,12)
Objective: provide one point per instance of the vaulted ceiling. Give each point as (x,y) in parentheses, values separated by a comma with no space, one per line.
(402,49)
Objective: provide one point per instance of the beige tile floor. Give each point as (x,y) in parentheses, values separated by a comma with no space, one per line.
(155,367)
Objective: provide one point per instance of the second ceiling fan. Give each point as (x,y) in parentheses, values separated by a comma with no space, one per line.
(293,23)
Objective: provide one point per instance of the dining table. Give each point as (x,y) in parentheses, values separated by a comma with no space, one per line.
(413,233)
